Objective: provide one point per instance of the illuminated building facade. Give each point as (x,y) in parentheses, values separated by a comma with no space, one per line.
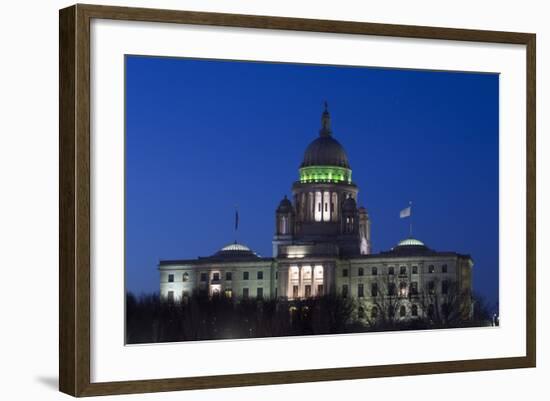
(322,246)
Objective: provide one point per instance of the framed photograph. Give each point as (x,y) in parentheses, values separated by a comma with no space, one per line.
(250,200)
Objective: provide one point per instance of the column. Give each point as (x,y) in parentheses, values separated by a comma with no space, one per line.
(325,279)
(323,206)
(312,281)
(310,205)
(299,281)
(334,200)
(330,208)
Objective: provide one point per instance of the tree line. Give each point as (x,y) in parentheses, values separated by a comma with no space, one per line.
(152,319)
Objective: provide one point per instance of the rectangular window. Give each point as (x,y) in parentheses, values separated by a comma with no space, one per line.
(360,271)
(392,289)
(308,291)
(431,287)
(414,288)
(374,271)
(431,269)
(320,290)
(216,277)
(391,270)
(403,270)
(260,293)
(444,287)
(170,296)
(344,272)
(245,275)
(204,277)
(245,293)
(374,290)
(170,278)
(444,269)
(403,289)
(295,291)
(228,276)
(360,291)
(391,311)
(344,291)
(228,293)
(415,270)
(260,275)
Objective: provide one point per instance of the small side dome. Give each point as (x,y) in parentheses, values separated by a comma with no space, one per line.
(410,242)
(235,247)
(410,247)
(285,206)
(349,205)
(235,251)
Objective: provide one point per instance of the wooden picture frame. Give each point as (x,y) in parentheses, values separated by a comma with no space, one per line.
(74,199)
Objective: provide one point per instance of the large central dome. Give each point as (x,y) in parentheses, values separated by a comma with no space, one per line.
(325,150)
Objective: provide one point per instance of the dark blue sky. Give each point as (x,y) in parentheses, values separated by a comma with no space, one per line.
(203,136)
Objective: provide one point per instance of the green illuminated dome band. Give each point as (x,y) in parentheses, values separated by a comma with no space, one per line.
(334,174)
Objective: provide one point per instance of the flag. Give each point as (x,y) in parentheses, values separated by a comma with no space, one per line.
(405,212)
(236,220)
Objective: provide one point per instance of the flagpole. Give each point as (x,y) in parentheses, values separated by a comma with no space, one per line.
(410,221)
(236,221)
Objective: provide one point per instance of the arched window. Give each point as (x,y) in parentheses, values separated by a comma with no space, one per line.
(185,276)
(334,206)
(283,225)
(326,202)
(402,311)
(318,206)
(311,206)
(374,312)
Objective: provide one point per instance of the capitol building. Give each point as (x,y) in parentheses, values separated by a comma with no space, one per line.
(322,246)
